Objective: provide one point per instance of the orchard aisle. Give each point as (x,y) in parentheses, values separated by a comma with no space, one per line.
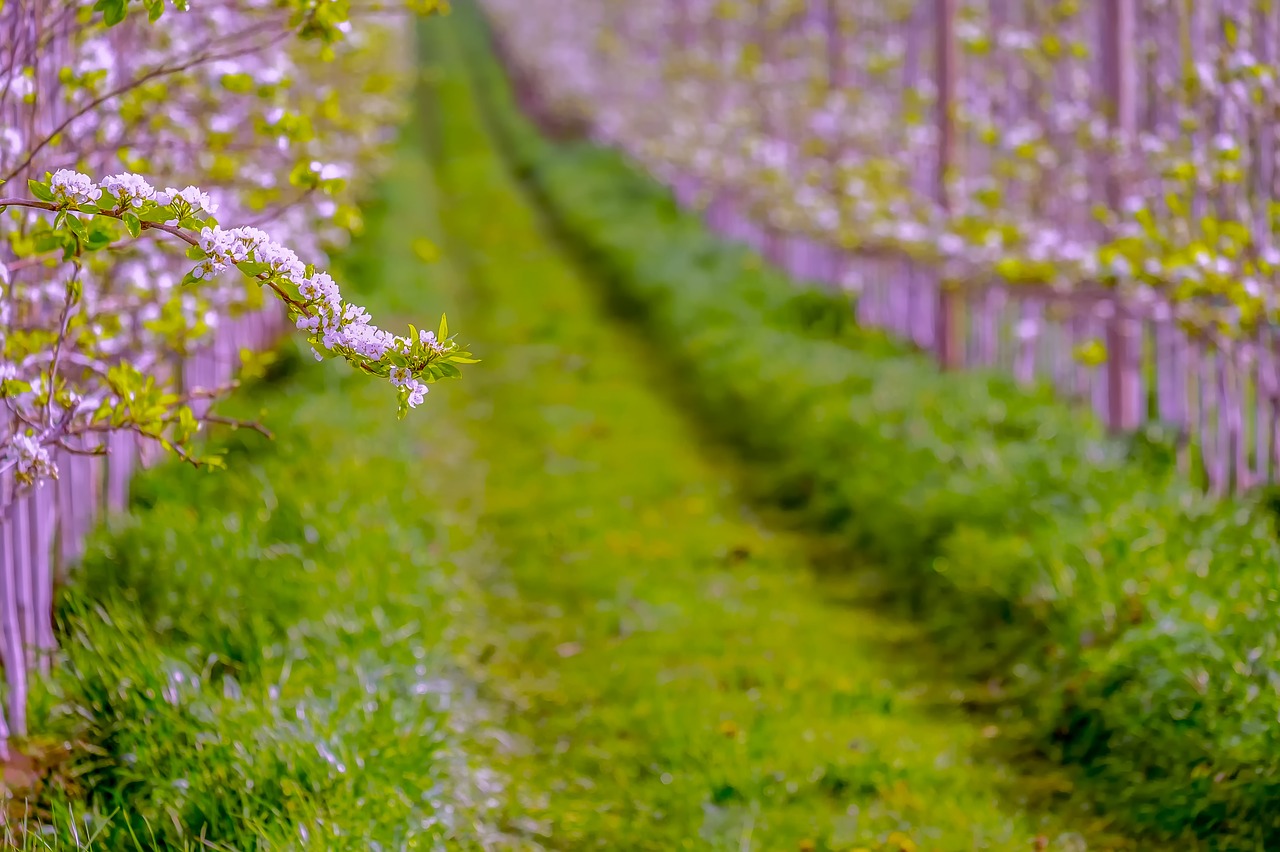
(539,614)
(670,672)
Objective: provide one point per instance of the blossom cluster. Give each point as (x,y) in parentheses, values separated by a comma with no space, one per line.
(334,325)
(253,112)
(71,187)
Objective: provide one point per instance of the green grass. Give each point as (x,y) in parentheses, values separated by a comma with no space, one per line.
(1126,622)
(677,675)
(540,613)
(254,659)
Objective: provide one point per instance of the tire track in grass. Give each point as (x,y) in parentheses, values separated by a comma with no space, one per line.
(672,673)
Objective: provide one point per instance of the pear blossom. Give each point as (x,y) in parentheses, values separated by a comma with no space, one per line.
(417,393)
(72,187)
(400,376)
(192,196)
(33,462)
(428,339)
(132,190)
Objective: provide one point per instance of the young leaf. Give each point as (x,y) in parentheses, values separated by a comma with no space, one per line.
(112,11)
(40,190)
(76,226)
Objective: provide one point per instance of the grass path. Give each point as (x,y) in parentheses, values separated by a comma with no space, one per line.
(676,675)
(538,614)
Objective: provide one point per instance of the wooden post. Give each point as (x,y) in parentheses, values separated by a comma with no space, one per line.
(1124,333)
(44,508)
(11,651)
(23,575)
(946,338)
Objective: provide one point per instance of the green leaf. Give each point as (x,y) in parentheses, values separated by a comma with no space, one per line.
(253,365)
(443,333)
(301,175)
(112,11)
(132,224)
(196,253)
(238,83)
(47,241)
(40,190)
(76,226)
(13,387)
(97,239)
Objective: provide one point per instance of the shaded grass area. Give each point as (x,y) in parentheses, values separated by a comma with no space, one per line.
(1126,622)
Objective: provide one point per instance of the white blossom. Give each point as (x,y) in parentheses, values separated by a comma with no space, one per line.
(72,187)
(132,190)
(34,465)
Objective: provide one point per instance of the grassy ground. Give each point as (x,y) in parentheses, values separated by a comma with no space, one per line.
(537,614)
(678,675)
(256,660)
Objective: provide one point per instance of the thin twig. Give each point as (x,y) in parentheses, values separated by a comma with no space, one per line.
(240,424)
